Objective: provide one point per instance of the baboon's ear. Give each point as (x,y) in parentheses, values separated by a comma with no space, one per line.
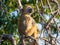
(22,10)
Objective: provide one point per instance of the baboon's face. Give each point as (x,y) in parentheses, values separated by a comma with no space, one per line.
(27,9)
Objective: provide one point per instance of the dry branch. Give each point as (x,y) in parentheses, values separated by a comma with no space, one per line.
(52,13)
(39,13)
(19,4)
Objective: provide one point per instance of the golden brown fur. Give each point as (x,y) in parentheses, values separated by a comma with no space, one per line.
(27,25)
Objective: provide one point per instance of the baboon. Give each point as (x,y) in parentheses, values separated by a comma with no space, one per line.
(26,24)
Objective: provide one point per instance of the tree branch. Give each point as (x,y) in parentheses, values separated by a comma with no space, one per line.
(39,11)
(19,4)
(49,5)
(52,13)
(9,37)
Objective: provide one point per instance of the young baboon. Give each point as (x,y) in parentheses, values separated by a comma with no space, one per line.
(26,24)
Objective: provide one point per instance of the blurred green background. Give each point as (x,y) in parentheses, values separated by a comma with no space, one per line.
(9,16)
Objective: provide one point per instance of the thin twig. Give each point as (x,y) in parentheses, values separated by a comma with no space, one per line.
(49,5)
(41,16)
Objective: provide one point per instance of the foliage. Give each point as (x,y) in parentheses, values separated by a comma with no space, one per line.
(8,23)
